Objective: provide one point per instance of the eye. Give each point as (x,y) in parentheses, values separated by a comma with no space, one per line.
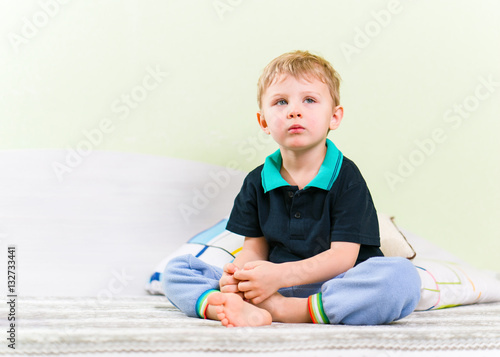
(281,102)
(309,100)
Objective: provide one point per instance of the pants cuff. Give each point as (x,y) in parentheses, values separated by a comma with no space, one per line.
(315,304)
(202,303)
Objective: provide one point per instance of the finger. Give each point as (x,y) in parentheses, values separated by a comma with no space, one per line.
(251,265)
(229,289)
(243,274)
(257,300)
(231,280)
(223,280)
(244,286)
(250,295)
(226,268)
(230,268)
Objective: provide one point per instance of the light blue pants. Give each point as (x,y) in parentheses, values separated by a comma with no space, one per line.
(377,291)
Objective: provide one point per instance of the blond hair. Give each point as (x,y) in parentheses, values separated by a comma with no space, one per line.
(300,64)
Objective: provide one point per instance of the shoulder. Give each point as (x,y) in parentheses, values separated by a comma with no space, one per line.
(254,177)
(253,182)
(349,173)
(255,174)
(244,217)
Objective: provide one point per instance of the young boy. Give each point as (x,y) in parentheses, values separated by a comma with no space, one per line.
(311,252)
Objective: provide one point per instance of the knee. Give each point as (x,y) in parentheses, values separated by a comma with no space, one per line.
(175,272)
(403,280)
(377,291)
(397,272)
(177,265)
(405,273)
(185,271)
(396,283)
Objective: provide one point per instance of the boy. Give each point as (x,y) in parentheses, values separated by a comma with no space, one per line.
(311,252)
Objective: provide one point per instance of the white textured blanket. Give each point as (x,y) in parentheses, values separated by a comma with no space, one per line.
(150,323)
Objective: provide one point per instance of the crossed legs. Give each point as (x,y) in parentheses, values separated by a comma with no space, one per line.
(378,291)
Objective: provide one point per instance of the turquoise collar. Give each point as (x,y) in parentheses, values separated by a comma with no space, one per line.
(328,172)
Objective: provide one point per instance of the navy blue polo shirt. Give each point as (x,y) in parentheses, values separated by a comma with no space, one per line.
(298,224)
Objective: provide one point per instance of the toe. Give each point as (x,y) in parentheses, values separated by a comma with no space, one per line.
(216,298)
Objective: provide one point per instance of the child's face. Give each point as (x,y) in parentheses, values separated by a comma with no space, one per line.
(298,112)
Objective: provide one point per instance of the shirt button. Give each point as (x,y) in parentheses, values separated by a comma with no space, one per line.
(290,194)
(297,215)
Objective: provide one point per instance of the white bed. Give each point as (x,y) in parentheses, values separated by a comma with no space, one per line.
(87,245)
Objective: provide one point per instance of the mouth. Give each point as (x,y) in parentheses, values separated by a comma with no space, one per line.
(296,129)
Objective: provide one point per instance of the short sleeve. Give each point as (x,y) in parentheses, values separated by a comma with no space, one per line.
(244,218)
(354,218)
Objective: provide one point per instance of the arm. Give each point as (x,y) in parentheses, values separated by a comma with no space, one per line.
(261,279)
(253,249)
(322,267)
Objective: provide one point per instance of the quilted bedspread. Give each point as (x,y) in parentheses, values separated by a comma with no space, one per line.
(151,324)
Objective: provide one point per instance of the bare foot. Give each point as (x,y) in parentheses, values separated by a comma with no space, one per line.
(232,311)
(283,309)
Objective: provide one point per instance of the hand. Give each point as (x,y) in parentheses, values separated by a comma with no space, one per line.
(228,283)
(259,280)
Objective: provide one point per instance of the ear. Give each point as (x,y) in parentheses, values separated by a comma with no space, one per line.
(263,123)
(338,114)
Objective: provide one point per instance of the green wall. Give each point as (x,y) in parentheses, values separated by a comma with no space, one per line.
(421,92)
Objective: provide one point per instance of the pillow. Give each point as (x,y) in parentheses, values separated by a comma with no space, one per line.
(217,246)
(392,242)
(447,284)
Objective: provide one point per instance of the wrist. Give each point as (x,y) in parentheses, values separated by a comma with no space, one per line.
(286,273)
(297,273)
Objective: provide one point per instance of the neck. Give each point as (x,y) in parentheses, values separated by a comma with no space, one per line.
(299,167)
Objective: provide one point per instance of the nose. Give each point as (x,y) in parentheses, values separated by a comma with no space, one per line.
(294,112)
